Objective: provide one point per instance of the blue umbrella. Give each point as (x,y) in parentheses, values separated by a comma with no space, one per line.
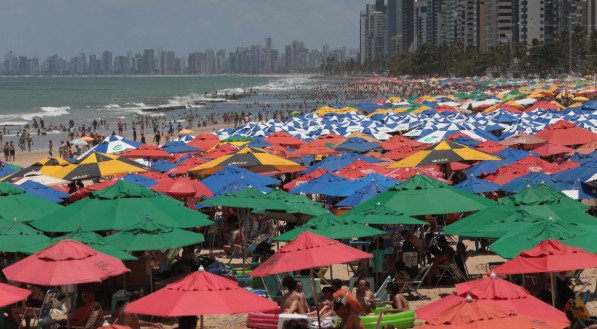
(508,156)
(239,185)
(356,144)
(477,185)
(582,173)
(334,163)
(114,144)
(162,165)
(581,191)
(44,191)
(139,180)
(328,184)
(381,179)
(230,174)
(178,147)
(532,179)
(363,194)
(466,141)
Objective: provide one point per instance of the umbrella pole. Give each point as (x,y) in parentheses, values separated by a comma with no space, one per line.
(315,298)
(553,289)
(201,318)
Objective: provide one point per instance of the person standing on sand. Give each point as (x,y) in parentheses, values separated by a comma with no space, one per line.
(157,138)
(134,133)
(143,138)
(50,149)
(11,148)
(6,152)
(29,142)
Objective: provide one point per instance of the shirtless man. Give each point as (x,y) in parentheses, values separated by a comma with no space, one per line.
(294,300)
(350,320)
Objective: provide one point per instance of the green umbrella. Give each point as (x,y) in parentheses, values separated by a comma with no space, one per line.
(541,195)
(248,198)
(118,207)
(16,236)
(91,239)
(297,208)
(333,227)
(571,234)
(15,203)
(422,195)
(150,235)
(381,215)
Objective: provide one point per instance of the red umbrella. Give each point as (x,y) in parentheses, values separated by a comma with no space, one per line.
(490,147)
(477,314)
(522,138)
(220,151)
(403,151)
(284,139)
(65,262)
(306,251)
(403,174)
(358,169)
(148,151)
(587,148)
(552,149)
(154,175)
(311,149)
(11,294)
(498,291)
(455,166)
(548,256)
(303,179)
(323,140)
(182,188)
(204,141)
(186,165)
(398,141)
(84,192)
(544,105)
(569,164)
(566,133)
(520,168)
(200,293)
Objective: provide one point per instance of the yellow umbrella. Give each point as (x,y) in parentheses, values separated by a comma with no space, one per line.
(47,166)
(443,152)
(254,159)
(185,132)
(97,164)
(580,99)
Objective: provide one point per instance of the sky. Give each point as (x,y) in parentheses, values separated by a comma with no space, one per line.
(69,27)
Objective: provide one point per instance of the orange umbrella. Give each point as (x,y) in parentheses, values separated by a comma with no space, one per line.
(566,133)
(11,294)
(481,314)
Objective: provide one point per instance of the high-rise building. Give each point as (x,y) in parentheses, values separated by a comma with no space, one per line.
(93,64)
(373,33)
(268,43)
(497,18)
(221,61)
(400,26)
(107,62)
(210,58)
(537,20)
(148,66)
(590,15)
(167,62)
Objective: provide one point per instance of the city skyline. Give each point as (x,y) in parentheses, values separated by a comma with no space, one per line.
(40,28)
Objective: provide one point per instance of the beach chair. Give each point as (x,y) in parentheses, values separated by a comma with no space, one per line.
(91,320)
(273,287)
(382,293)
(37,313)
(412,286)
(450,271)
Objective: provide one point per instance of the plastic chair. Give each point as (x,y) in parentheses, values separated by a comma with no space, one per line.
(413,285)
(43,311)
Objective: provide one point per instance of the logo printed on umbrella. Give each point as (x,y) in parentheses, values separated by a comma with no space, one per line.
(440,160)
(238,163)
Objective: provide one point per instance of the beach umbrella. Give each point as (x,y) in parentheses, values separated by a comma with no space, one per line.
(85,191)
(147,151)
(284,139)
(47,166)
(549,149)
(36,177)
(150,235)
(231,174)
(498,291)
(532,179)
(333,163)
(323,184)
(309,149)
(93,240)
(220,151)
(182,188)
(490,147)
(304,179)
(566,133)
(44,192)
(473,314)
(530,164)
(297,207)
(253,159)
(186,165)
(359,169)
(112,144)
(179,147)
(522,138)
(65,262)
(403,151)
(356,144)
(477,185)
(240,185)
(396,142)
(380,215)
(525,238)
(580,191)
(363,194)
(139,180)
(11,294)
(331,226)
(14,236)
(306,251)
(443,152)
(422,195)
(204,141)
(200,293)
(96,165)
(328,139)
(248,198)
(118,207)
(17,204)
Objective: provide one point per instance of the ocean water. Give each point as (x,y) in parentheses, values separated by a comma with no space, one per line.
(59,99)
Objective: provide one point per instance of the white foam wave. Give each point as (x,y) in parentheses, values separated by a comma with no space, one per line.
(112,106)
(46,111)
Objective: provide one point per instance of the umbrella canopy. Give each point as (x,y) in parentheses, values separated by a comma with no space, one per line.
(421,195)
(186,165)
(363,194)
(498,291)
(15,236)
(179,147)
(304,179)
(572,234)
(46,166)
(443,152)
(15,203)
(476,185)
(396,142)
(356,144)
(522,139)
(248,198)
(231,174)
(140,180)
(359,169)
(114,144)
(333,227)
(66,262)
(150,235)
(36,177)
(306,251)
(327,184)
(549,149)
(93,240)
(200,293)
(532,179)
(472,314)
(490,147)
(11,294)
(204,141)
(182,188)
(147,151)
(566,133)
(101,165)
(380,215)
(253,159)
(119,207)
(44,192)
(284,139)
(548,256)
(311,149)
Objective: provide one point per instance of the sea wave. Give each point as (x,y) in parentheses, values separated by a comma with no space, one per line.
(46,111)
